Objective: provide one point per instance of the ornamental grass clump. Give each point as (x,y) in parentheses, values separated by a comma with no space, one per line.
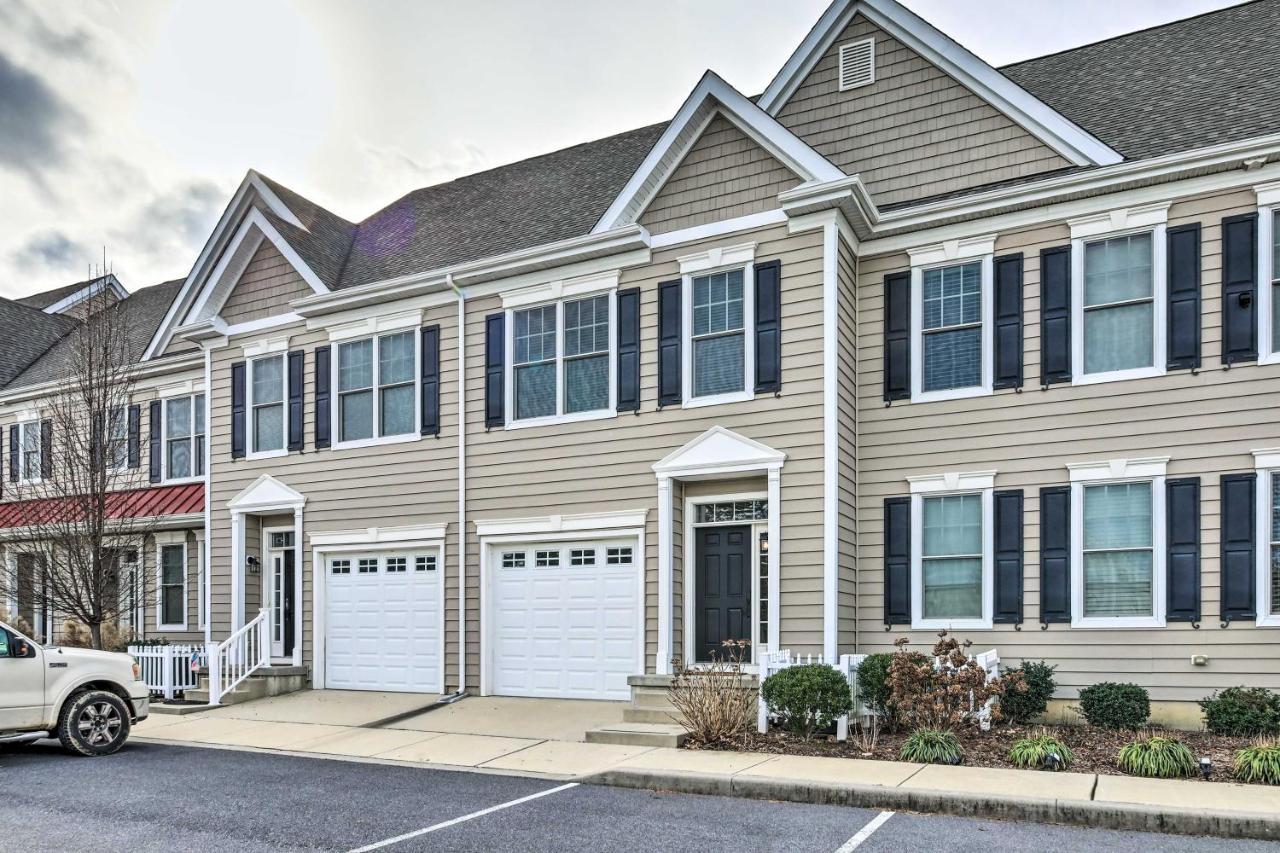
(1041,751)
(1157,757)
(808,697)
(932,746)
(1259,762)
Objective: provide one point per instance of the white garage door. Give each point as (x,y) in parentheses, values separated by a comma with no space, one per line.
(564,619)
(382,622)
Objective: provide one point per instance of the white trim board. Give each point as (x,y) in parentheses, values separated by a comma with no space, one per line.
(1037,118)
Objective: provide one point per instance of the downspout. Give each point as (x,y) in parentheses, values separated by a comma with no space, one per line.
(208,480)
(462,485)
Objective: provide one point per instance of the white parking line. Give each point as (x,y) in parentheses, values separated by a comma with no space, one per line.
(466,817)
(865,833)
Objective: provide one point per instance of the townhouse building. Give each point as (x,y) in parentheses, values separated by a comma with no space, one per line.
(904,343)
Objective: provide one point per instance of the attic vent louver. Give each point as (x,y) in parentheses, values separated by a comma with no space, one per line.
(857,64)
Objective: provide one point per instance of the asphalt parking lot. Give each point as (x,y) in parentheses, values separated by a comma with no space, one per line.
(154,797)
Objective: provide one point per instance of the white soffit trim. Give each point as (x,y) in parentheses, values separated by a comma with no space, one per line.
(265,492)
(380,535)
(953,481)
(729,256)
(93,288)
(564,289)
(1268,459)
(378,324)
(1268,194)
(711,95)
(1118,469)
(1046,124)
(953,250)
(266,346)
(1123,219)
(719,450)
(551,524)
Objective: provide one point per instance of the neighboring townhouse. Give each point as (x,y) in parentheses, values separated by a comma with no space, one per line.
(904,343)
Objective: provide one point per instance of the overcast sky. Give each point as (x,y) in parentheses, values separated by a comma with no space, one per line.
(127,124)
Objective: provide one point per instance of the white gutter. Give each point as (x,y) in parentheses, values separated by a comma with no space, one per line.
(462,485)
(142,371)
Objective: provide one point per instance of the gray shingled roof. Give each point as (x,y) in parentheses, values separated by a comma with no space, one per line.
(1200,81)
(28,333)
(325,242)
(143,310)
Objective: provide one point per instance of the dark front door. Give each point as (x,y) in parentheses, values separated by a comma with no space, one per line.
(722,589)
(290,597)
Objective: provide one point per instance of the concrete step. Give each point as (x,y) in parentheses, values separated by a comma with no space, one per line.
(181,710)
(649,715)
(639,734)
(655,698)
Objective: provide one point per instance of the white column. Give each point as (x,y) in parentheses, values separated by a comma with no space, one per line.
(297,586)
(775,556)
(237,570)
(831,452)
(665,581)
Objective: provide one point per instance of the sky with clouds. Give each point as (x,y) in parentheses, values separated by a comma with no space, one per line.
(125,125)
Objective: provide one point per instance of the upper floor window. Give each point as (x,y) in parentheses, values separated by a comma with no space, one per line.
(266,402)
(952,546)
(29,444)
(118,438)
(561,359)
(184,437)
(719,337)
(952,342)
(1268,261)
(377,394)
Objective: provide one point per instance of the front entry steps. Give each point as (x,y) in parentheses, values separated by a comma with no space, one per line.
(640,734)
(268,681)
(650,719)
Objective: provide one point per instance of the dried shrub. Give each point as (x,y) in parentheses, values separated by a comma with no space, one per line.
(715,702)
(807,697)
(114,639)
(1158,757)
(1259,762)
(946,690)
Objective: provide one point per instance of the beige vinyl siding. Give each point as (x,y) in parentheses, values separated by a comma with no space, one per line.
(724,175)
(265,289)
(347,489)
(913,133)
(1207,423)
(846,448)
(606,465)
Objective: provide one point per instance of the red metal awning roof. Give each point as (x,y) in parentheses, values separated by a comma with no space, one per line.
(152,502)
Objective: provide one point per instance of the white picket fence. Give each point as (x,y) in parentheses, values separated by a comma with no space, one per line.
(171,669)
(847,666)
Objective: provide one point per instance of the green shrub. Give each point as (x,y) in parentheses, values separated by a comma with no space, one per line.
(1115,706)
(1259,762)
(1157,756)
(1033,753)
(1242,711)
(808,697)
(873,684)
(1020,706)
(932,746)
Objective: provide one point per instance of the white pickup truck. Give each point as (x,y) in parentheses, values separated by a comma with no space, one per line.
(89,699)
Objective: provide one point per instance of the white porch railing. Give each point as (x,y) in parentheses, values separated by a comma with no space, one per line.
(238,656)
(847,666)
(170,669)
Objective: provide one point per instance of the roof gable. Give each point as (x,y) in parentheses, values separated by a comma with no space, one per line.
(61,300)
(1054,130)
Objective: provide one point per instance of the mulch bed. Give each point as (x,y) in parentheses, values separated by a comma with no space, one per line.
(1095,749)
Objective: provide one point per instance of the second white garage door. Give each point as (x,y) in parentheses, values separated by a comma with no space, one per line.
(564,619)
(382,622)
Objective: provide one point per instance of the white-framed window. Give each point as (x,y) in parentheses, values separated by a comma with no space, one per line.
(171,605)
(184,437)
(719,349)
(952,320)
(130,589)
(1268,274)
(117,438)
(1118,544)
(1267,463)
(952,548)
(1118,288)
(562,364)
(266,405)
(29,452)
(377,389)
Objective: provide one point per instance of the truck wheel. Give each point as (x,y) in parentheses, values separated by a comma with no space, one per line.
(94,722)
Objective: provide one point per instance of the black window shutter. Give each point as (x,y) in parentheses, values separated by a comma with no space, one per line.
(323,423)
(1055,315)
(495,351)
(897,336)
(134,453)
(1055,554)
(629,350)
(237,410)
(1182,511)
(897,561)
(296,362)
(1008,557)
(1008,331)
(1183,271)
(1239,288)
(46,449)
(153,446)
(670,392)
(13,453)
(430,358)
(1238,568)
(769,327)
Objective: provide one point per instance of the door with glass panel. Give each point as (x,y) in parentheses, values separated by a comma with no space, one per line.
(279,590)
